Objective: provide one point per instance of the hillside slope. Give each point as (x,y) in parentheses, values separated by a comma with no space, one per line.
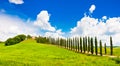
(30,53)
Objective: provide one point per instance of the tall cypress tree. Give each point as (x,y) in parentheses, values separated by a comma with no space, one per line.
(111,46)
(78,45)
(89,43)
(100,47)
(92,48)
(71,42)
(81,44)
(105,48)
(84,44)
(96,49)
(66,43)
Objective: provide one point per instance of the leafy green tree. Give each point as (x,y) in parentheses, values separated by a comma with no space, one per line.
(111,46)
(22,37)
(100,47)
(29,37)
(96,49)
(9,42)
(15,40)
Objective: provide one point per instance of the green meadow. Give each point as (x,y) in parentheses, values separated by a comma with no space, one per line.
(30,53)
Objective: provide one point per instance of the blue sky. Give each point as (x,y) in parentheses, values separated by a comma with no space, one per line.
(61,18)
(63,12)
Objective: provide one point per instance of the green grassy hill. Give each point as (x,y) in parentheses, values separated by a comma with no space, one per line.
(30,53)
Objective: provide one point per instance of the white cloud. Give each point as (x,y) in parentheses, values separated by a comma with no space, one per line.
(89,26)
(92,8)
(55,34)
(11,26)
(43,21)
(104,17)
(16,1)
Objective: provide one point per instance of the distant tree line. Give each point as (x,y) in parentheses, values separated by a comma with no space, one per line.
(15,40)
(42,39)
(88,45)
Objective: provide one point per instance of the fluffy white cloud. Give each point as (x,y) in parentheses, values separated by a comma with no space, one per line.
(43,21)
(104,17)
(11,26)
(16,1)
(55,34)
(89,26)
(92,8)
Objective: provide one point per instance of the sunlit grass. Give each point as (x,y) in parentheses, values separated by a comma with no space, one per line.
(30,53)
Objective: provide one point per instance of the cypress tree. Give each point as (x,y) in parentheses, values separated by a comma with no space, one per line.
(59,41)
(92,48)
(81,44)
(100,47)
(111,46)
(105,48)
(89,43)
(96,49)
(71,44)
(78,45)
(67,43)
(84,44)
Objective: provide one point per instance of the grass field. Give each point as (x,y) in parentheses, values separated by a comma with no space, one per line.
(116,51)
(30,53)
